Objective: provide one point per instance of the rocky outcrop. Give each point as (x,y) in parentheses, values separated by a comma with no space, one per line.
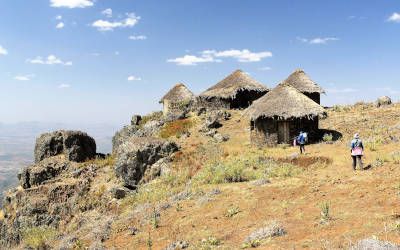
(374,244)
(123,135)
(383,101)
(76,145)
(41,172)
(135,121)
(136,157)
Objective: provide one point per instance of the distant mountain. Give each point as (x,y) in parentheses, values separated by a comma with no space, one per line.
(17,141)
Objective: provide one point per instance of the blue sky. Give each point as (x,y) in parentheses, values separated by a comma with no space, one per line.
(102,61)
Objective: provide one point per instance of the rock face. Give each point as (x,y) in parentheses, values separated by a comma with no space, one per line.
(123,135)
(76,145)
(373,244)
(136,120)
(383,101)
(136,157)
(41,172)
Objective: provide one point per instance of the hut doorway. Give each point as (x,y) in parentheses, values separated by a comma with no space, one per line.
(283,132)
(245,98)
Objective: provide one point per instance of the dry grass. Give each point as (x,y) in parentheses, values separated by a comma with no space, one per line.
(39,237)
(365,202)
(176,128)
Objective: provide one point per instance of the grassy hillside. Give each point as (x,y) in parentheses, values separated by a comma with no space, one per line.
(232,195)
(218,194)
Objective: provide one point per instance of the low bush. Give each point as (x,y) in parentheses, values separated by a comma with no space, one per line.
(283,170)
(176,128)
(325,212)
(232,211)
(327,138)
(38,237)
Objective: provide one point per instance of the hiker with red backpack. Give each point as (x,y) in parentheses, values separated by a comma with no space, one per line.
(357,151)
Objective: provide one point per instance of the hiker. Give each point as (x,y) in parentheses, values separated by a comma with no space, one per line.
(301,141)
(357,151)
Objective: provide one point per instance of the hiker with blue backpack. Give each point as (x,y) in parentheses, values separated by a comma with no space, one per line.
(357,151)
(301,140)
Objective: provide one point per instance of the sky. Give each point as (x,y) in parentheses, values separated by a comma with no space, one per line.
(101,61)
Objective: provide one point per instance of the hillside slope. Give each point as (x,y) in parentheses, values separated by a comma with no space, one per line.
(217,194)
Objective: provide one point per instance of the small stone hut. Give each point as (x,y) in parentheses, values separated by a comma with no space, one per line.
(279,116)
(302,82)
(177,99)
(236,91)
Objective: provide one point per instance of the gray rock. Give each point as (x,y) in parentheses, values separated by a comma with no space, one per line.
(260,182)
(136,157)
(43,171)
(118,192)
(220,138)
(123,135)
(177,115)
(373,244)
(383,101)
(76,145)
(273,229)
(178,245)
(136,120)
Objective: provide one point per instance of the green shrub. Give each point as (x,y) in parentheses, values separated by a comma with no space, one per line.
(232,211)
(234,170)
(395,157)
(327,138)
(251,244)
(284,170)
(325,212)
(38,237)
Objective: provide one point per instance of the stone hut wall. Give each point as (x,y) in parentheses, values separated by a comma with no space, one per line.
(264,131)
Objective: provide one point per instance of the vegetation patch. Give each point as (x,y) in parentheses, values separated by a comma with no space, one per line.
(38,237)
(154,116)
(176,128)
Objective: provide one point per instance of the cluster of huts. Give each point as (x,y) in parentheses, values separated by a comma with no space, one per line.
(276,115)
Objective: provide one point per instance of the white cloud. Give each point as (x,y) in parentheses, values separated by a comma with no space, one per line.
(264,68)
(214,56)
(395,17)
(60,25)
(241,55)
(107,12)
(134,78)
(104,25)
(140,37)
(191,60)
(50,60)
(317,40)
(64,86)
(71,3)
(59,17)
(24,77)
(345,90)
(388,90)
(3,51)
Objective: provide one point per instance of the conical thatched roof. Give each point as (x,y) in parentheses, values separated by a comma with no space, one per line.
(301,81)
(228,87)
(178,93)
(284,102)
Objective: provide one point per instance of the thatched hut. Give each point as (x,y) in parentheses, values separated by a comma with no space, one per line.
(302,82)
(177,99)
(236,91)
(280,115)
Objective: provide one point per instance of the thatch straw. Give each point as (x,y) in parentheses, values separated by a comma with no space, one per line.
(232,84)
(178,93)
(285,102)
(301,81)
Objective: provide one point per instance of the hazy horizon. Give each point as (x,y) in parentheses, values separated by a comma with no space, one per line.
(102,61)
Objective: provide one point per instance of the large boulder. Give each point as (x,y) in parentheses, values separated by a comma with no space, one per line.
(383,101)
(135,121)
(374,244)
(123,135)
(76,145)
(43,171)
(137,155)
